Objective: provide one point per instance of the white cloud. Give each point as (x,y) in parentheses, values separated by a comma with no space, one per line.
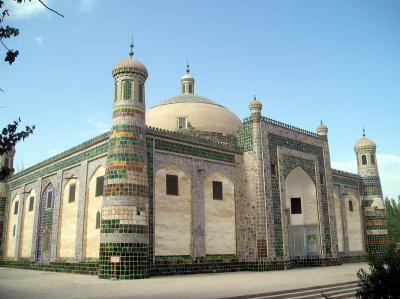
(389,172)
(38,39)
(27,9)
(98,123)
(86,5)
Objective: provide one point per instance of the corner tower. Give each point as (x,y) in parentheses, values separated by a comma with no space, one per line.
(124,236)
(375,221)
(187,82)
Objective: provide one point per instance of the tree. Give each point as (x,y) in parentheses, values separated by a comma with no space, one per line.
(8,138)
(7,32)
(383,281)
(393,219)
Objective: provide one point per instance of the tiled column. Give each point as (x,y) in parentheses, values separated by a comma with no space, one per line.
(57,183)
(38,188)
(19,224)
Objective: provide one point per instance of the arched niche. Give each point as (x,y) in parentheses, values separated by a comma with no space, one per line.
(12,226)
(339,222)
(68,218)
(27,224)
(173,212)
(93,207)
(300,191)
(354,222)
(219,214)
(45,223)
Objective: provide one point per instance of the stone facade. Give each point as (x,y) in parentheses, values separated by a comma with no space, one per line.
(265,198)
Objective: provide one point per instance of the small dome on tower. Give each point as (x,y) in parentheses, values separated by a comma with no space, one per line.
(130,65)
(255,104)
(322,129)
(364,142)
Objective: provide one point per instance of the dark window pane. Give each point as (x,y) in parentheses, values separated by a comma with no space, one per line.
(127,90)
(14,230)
(364,160)
(295,205)
(31,201)
(190,88)
(172,184)
(350,206)
(217,190)
(98,219)
(99,185)
(49,199)
(115,91)
(321,178)
(16,208)
(72,189)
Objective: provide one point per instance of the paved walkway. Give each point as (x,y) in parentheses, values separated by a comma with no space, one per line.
(18,283)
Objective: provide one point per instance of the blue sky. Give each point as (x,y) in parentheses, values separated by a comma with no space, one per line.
(338,61)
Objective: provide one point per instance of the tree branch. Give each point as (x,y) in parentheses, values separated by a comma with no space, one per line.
(56,12)
(1,40)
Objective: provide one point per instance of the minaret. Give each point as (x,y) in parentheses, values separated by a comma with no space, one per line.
(322,130)
(124,234)
(187,82)
(375,225)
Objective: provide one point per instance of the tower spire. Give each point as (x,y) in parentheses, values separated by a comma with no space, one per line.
(187,67)
(131,46)
(363,131)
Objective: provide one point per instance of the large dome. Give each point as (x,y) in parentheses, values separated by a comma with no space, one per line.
(201,114)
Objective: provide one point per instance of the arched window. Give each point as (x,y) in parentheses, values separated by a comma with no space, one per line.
(372,159)
(351,206)
(183,88)
(127,90)
(14,230)
(115,92)
(364,160)
(98,218)
(190,88)
(16,208)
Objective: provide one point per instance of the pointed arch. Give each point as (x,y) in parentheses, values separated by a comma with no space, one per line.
(339,221)
(299,185)
(28,217)
(68,218)
(173,221)
(219,214)
(93,207)
(354,222)
(12,226)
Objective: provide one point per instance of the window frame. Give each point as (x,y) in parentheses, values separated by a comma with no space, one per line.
(178,119)
(364,159)
(172,190)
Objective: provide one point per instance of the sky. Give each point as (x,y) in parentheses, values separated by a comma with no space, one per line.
(306,61)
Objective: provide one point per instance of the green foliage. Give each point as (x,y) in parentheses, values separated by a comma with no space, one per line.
(383,281)
(393,219)
(8,139)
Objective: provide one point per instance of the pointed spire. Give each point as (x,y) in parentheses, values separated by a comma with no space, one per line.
(321,121)
(131,46)
(187,67)
(254,97)
(363,131)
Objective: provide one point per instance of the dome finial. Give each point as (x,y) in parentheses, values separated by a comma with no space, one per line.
(131,46)
(187,67)
(363,131)
(254,97)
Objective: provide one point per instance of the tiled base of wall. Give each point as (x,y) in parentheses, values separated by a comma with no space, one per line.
(78,268)
(354,259)
(183,266)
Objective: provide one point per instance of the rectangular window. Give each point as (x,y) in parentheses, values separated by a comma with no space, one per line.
(49,199)
(295,205)
(172,184)
(127,89)
(364,160)
(350,206)
(141,93)
(273,169)
(217,190)
(115,92)
(31,201)
(99,186)
(72,189)
(182,122)
(372,159)
(16,208)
